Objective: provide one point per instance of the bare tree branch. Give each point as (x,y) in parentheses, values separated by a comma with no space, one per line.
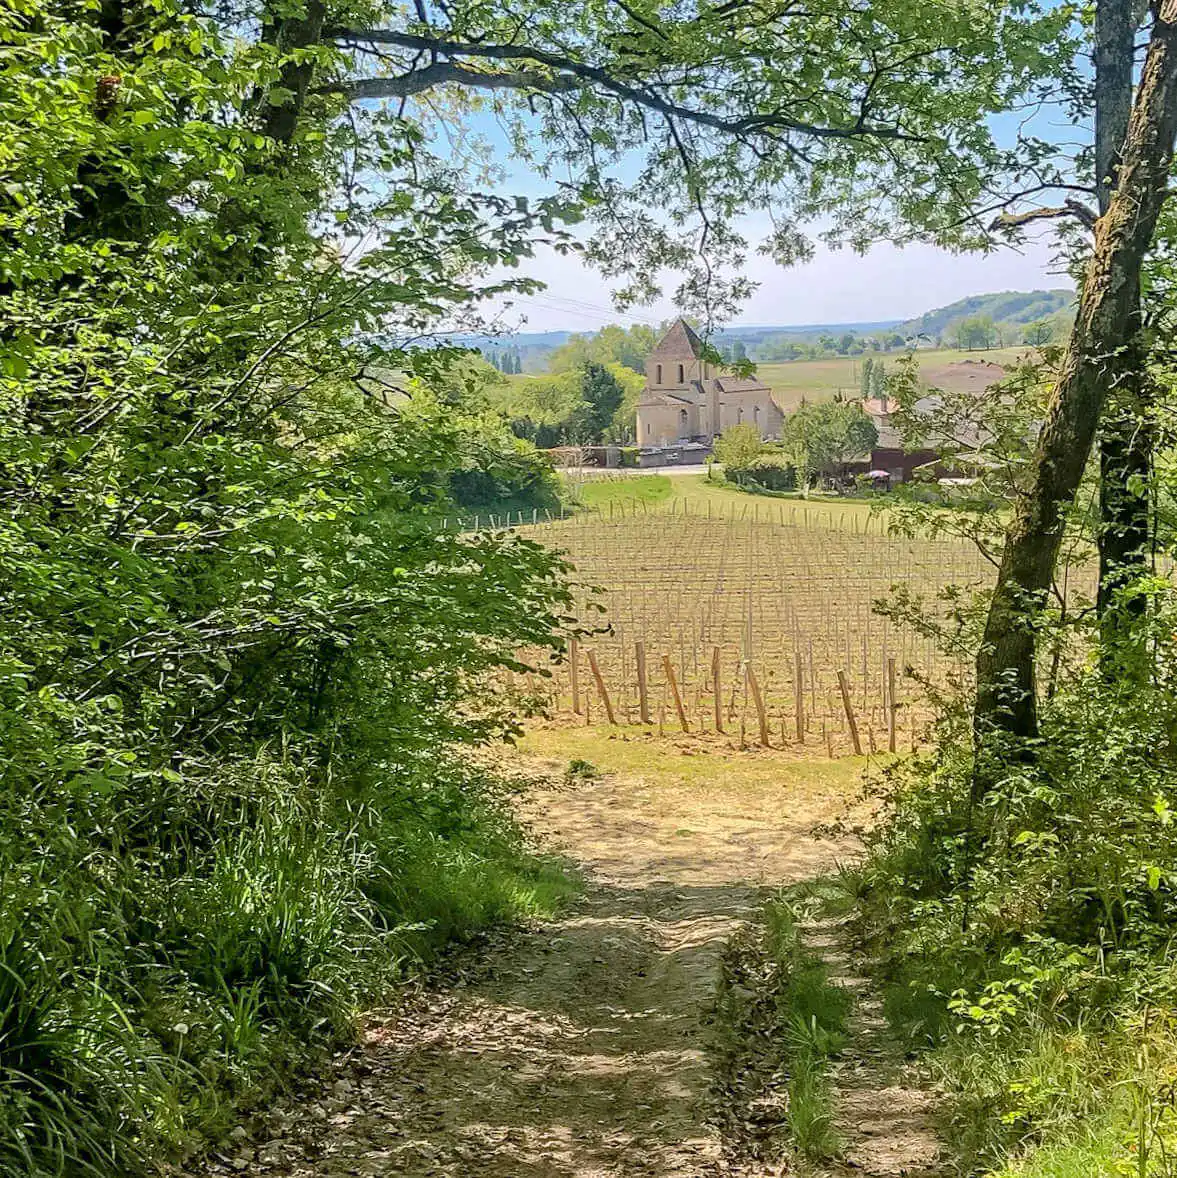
(1069,208)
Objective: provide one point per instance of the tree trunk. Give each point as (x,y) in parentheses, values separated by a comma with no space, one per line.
(1006,699)
(1125,469)
(1125,447)
(290,33)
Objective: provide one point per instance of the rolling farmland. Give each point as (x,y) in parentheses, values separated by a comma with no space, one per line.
(820,380)
(772,599)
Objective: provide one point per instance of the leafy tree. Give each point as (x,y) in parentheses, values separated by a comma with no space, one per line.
(601,397)
(1134,148)
(623,428)
(1039,333)
(738,448)
(974,333)
(242,624)
(856,88)
(865,387)
(825,436)
(628,346)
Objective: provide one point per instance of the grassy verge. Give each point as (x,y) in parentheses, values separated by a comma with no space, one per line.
(1026,944)
(694,493)
(780,1017)
(697,765)
(812,1012)
(1048,1093)
(647,489)
(151,992)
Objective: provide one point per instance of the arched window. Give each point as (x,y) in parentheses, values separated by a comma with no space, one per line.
(682,421)
(658,374)
(739,414)
(756,413)
(682,375)
(647,429)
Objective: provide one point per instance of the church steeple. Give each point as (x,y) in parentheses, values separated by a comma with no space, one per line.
(676,360)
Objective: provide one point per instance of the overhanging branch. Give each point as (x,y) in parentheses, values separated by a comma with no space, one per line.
(569,73)
(446,73)
(1069,208)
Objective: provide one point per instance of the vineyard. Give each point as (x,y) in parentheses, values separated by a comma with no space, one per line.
(758,623)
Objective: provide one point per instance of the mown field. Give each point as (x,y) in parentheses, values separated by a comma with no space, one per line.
(817,380)
(820,380)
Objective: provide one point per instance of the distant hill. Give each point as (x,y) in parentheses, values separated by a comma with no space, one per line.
(1017,307)
(1010,311)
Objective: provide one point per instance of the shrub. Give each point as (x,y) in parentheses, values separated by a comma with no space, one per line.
(773,472)
(1026,934)
(738,447)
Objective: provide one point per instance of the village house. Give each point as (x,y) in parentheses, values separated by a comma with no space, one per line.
(685,401)
(902,464)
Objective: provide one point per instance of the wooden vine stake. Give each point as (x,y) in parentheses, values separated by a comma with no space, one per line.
(718,685)
(892,708)
(799,696)
(758,701)
(602,690)
(643,690)
(850,720)
(668,667)
(574,667)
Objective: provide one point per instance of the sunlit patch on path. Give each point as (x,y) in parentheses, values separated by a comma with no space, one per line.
(580,1048)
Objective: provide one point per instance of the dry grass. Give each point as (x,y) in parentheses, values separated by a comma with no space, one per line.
(694,808)
(819,380)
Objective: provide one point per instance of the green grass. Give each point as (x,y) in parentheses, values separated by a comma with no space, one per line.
(812,1014)
(689,767)
(1053,1093)
(777,1015)
(646,489)
(693,493)
(235,961)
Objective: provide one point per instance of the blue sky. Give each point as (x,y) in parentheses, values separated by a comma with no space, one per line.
(836,287)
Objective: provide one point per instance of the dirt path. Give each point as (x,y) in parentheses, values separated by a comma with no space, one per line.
(579,1049)
(883,1109)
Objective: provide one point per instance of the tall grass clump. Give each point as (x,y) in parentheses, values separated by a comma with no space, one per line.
(147,991)
(779,1014)
(1026,935)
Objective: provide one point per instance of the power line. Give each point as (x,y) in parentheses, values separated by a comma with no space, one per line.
(601,315)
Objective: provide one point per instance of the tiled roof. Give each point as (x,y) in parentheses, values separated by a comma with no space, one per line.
(679,343)
(740,384)
(663,398)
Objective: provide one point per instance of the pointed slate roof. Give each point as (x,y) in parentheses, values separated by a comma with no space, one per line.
(679,343)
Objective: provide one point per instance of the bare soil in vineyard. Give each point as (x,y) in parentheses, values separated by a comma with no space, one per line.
(769,615)
(591,1046)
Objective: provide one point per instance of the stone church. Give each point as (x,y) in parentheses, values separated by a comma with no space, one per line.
(685,401)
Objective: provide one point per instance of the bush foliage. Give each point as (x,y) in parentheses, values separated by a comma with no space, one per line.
(1027,933)
(240,634)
